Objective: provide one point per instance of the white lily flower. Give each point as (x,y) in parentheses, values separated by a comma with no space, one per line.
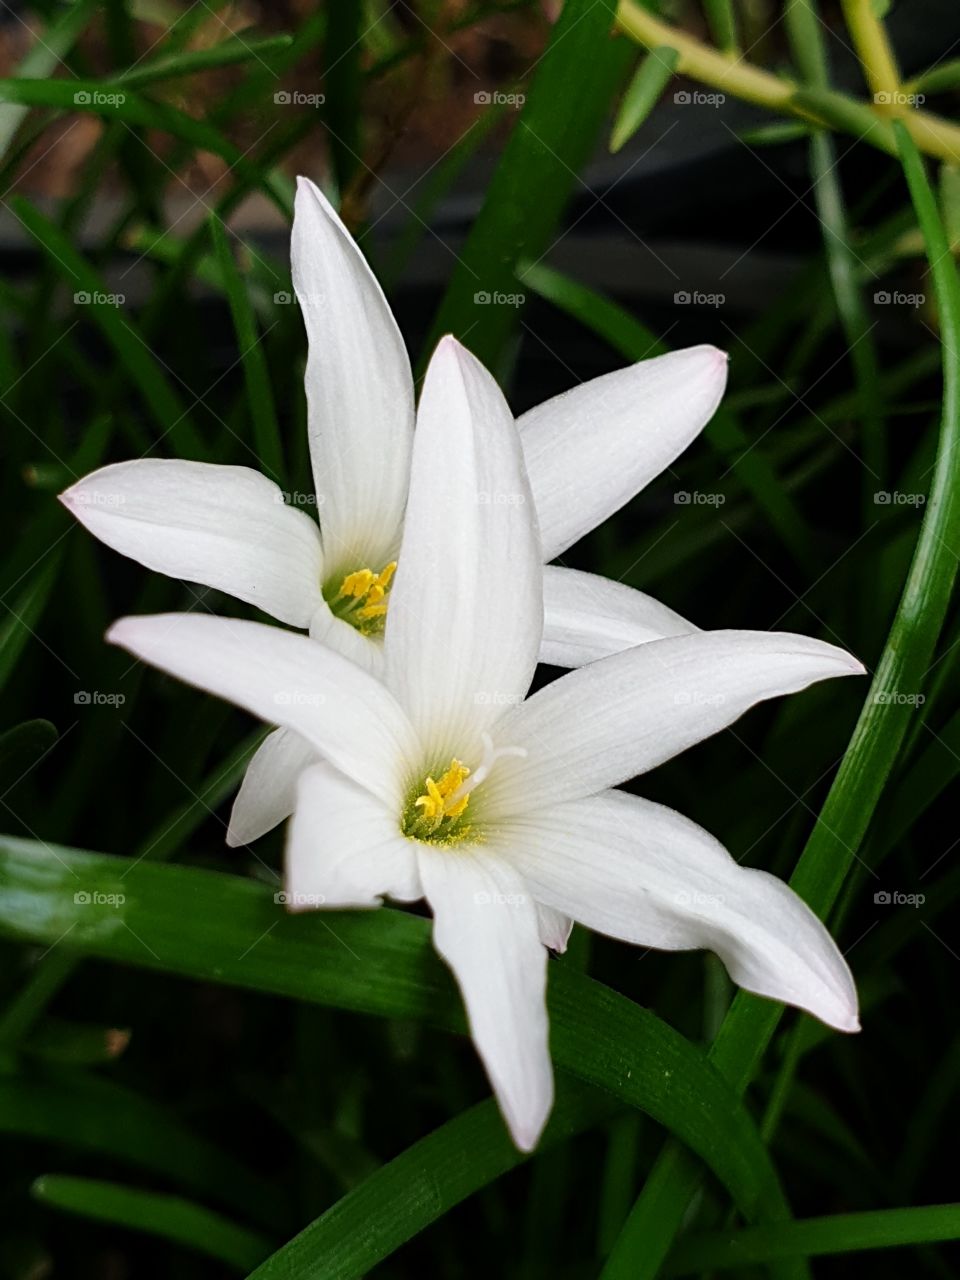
(587,452)
(441,781)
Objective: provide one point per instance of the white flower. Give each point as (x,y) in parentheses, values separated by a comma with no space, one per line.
(440,781)
(587,452)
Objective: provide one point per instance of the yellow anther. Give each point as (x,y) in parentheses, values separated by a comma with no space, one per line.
(357,584)
(368,590)
(436,804)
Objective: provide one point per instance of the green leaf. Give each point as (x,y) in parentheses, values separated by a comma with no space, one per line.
(266,429)
(848,116)
(238,48)
(635,341)
(75,1110)
(119,329)
(166,1216)
(815,1237)
(554,136)
(114,100)
(722,20)
(23,615)
(652,77)
(419,1186)
(42,60)
(938,79)
(221,928)
(869,759)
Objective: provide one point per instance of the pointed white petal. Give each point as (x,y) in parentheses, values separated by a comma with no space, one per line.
(555,928)
(365,651)
(289,680)
(359,388)
(344,847)
(268,793)
(623,715)
(591,449)
(641,872)
(485,927)
(586,617)
(224,527)
(466,610)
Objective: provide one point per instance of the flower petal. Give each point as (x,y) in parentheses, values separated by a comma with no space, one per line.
(286,679)
(225,527)
(359,389)
(366,651)
(466,610)
(268,793)
(619,717)
(485,927)
(555,928)
(344,847)
(586,617)
(591,449)
(638,871)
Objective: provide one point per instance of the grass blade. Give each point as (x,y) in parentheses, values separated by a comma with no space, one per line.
(169,1217)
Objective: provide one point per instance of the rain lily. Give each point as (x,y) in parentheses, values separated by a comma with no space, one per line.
(587,453)
(441,781)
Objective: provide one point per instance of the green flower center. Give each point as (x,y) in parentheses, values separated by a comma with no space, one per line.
(362,598)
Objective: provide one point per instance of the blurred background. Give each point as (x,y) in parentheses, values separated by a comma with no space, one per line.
(469,149)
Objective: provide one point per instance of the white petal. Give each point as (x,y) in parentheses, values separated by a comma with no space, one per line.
(466,610)
(638,871)
(225,527)
(586,617)
(619,717)
(554,927)
(591,449)
(268,793)
(359,389)
(344,847)
(365,651)
(285,679)
(485,927)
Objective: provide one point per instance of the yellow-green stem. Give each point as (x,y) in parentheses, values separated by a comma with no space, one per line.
(932,134)
(876,56)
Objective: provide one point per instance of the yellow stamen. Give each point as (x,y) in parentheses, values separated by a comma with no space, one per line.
(368,590)
(437,804)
